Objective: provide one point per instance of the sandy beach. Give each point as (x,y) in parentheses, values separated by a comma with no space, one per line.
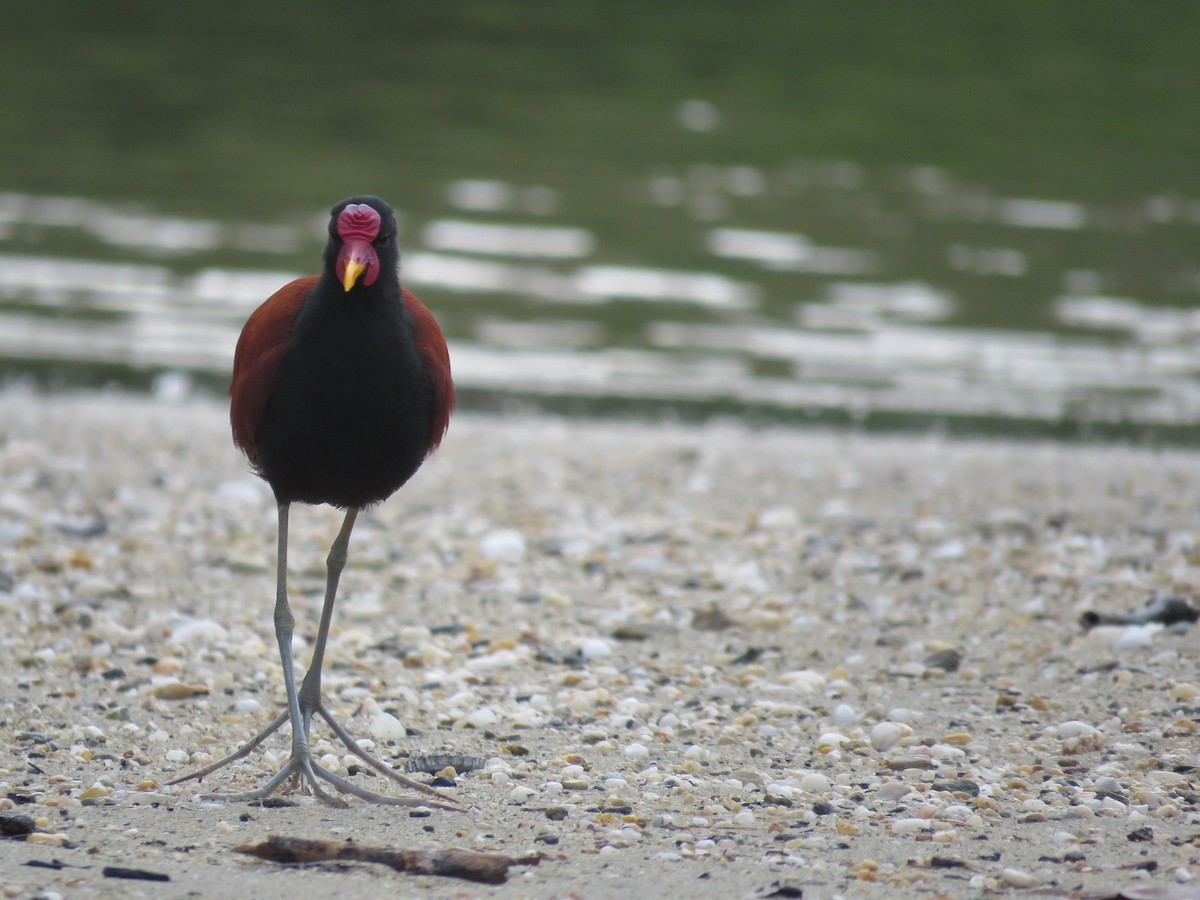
(689,661)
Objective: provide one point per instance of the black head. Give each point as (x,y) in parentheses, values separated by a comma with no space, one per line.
(362,243)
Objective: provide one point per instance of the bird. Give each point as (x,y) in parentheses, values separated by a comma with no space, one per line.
(341,389)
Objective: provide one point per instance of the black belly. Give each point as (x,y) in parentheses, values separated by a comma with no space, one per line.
(349,426)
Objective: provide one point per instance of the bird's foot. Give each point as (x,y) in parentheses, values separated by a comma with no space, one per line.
(305,773)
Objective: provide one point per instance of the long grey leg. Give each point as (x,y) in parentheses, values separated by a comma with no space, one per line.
(285,624)
(310,691)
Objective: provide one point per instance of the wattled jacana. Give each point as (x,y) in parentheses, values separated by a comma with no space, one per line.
(341,388)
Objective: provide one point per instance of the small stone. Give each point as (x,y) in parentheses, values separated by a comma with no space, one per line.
(15,824)
(494,662)
(174,690)
(956,813)
(805,681)
(636,751)
(831,739)
(1135,637)
(482,717)
(503,545)
(946,660)
(956,786)
(386,727)
(556,813)
(1187,690)
(198,632)
(1018,879)
(893,790)
(915,761)
(844,714)
(595,648)
(41,838)
(711,618)
(1159,776)
(814,783)
(329,761)
(886,734)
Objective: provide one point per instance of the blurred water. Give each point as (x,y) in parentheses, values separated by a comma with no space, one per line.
(980,216)
(540,311)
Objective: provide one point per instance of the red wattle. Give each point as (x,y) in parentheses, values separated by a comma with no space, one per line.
(360,251)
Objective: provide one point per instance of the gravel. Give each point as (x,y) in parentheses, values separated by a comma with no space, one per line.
(706,661)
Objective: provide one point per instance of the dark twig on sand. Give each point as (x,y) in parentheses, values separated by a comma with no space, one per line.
(491,868)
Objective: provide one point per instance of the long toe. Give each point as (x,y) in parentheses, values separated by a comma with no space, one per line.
(306,775)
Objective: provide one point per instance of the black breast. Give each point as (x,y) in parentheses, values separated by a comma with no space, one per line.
(349,420)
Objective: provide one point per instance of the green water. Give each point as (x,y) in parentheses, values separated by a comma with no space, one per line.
(270,112)
(227,109)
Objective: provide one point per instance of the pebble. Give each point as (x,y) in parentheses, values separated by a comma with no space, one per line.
(956,813)
(914,761)
(815,783)
(168,665)
(174,690)
(893,790)
(595,648)
(494,662)
(503,545)
(198,632)
(1018,879)
(831,739)
(956,786)
(886,734)
(805,681)
(1187,691)
(844,714)
(1075,728)
(386,727)
(482,717)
